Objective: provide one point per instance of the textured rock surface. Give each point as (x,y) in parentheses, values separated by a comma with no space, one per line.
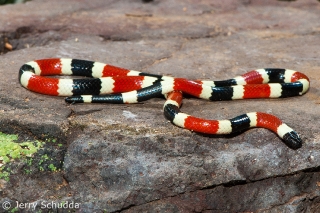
(128,158)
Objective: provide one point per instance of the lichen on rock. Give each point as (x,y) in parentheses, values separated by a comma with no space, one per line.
(11,150)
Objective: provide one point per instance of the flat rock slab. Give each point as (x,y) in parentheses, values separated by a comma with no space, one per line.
(112,158)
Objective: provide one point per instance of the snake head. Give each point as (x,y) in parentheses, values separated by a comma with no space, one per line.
(292,140)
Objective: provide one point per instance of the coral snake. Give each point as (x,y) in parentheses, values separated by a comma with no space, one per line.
(110,84)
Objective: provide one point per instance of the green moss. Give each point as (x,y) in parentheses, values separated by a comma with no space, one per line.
(28,161)
(27,171)
(51,140)
(52,167)
(4,174)
(11,150)
(15,209)
(43,159)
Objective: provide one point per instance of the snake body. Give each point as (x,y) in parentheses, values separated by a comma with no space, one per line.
(111,84)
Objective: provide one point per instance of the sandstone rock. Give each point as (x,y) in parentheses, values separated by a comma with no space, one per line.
(128,157)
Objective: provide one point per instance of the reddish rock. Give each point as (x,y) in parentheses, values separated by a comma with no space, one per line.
(128,157)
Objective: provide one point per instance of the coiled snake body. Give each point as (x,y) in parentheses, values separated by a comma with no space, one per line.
(110,84)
